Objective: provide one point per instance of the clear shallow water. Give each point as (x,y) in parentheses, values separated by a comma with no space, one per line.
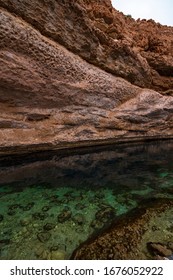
(49,204)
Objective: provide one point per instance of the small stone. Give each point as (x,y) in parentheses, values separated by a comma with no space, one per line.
(159,249)
(170,245)
(105,214)
(110,256)
(25,232)
(25,221)
(64,216)
(57,255)
(45,255)
(155,228)
(170,228)
(54,248)
(39,216)
(96,224)
(48,226)
(28,206)
(36,216)
(79,219)
(43,236)
(39,251)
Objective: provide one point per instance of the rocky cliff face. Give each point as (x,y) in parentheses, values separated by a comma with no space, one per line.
(74,71)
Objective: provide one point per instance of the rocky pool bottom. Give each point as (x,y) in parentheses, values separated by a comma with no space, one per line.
(50,205)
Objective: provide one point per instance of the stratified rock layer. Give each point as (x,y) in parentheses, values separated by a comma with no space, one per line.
(139,51)
(65,68)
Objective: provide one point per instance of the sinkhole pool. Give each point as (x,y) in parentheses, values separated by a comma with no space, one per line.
(50,203)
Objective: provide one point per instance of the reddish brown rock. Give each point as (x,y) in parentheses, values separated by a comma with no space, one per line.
(51,96)
(124,239)
(139,51)
(159,249)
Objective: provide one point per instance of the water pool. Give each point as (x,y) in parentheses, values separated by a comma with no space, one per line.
(50,203)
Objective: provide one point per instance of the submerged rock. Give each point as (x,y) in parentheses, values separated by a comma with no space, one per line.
(25,221)
(48,226)
(127,236)
(170,245)
(39,216)
(79,219)
(43,236)
(159,249)
(28,206)
(54,248)
(64,216)
(96,224)
(44,254)
(58,255)
(105,214)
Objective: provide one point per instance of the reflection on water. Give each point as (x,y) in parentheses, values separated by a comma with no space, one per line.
(50,204)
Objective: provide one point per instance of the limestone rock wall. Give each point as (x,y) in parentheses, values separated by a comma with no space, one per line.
(139,51)
(65,73)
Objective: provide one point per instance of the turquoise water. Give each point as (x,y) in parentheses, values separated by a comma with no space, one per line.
(50,203)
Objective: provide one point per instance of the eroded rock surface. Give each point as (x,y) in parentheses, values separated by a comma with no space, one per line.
(65,73)
(127,238)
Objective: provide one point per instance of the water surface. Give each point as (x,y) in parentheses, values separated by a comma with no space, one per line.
(50,203)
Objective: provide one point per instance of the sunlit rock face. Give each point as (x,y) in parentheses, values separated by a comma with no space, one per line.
(74,71)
